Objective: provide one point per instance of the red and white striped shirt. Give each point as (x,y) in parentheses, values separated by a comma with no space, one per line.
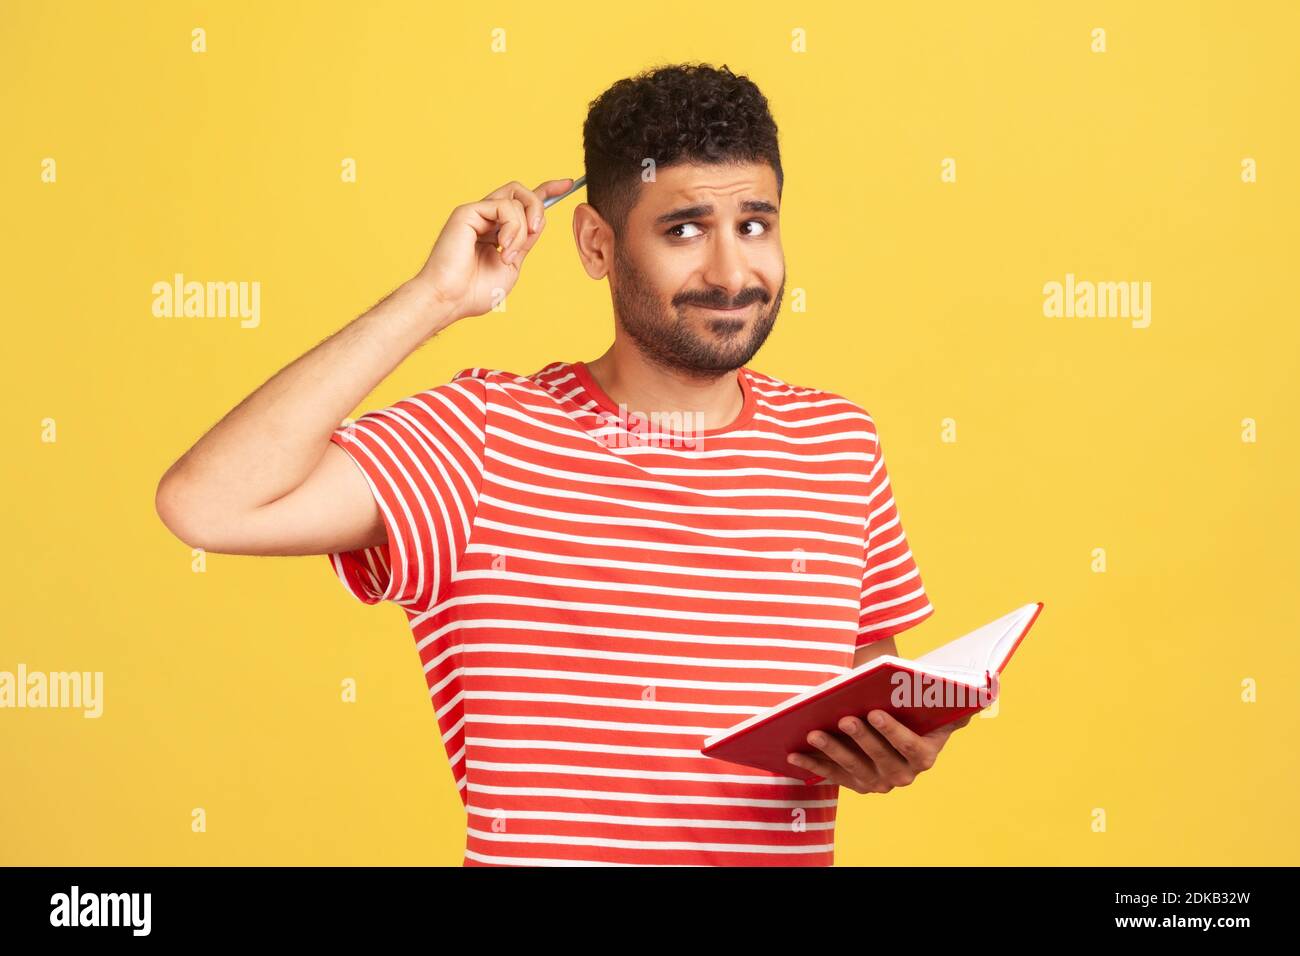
(591,601)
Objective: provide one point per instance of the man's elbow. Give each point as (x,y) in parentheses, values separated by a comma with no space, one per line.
(177,509)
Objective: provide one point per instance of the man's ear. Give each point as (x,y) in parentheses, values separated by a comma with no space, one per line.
(594,239)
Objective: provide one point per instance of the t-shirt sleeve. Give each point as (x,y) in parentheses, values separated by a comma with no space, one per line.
(423,459)
(893,595)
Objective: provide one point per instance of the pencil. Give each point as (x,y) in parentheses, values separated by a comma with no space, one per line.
(577,184)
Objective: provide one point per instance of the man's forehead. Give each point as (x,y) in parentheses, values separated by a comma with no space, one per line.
(751,187)
(692,180)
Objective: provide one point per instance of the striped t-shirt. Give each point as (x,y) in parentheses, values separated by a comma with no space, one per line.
(593,595)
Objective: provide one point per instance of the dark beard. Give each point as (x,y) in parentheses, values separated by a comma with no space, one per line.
(670,341)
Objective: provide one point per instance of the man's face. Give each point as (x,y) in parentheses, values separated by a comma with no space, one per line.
(701,239)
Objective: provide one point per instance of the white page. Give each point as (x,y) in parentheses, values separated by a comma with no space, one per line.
(984,648)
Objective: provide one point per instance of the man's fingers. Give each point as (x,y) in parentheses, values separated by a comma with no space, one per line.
(531,205)
(553,187)
(943,733)
(519,214)
(491,217)
(855,764)
(905,741)
(887,760)
(513,231)
(531,199)
(818,765)
(535,209)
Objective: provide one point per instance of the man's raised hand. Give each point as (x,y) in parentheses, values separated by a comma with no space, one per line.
(476,258)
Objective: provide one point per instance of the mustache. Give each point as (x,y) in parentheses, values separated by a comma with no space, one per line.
(720,300)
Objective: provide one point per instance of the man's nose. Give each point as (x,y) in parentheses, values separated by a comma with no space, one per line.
(727,268)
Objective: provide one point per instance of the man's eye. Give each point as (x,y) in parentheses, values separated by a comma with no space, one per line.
(690,225)
(681,225)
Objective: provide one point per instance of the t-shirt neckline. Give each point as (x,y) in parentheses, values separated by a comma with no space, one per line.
(596,393)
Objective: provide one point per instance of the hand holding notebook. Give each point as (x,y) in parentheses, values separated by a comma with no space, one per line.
(949,683)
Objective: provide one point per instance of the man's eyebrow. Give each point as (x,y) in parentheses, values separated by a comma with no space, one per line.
(704,210)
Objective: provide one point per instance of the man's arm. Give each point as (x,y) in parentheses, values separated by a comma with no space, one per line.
(266,479)
(867,651)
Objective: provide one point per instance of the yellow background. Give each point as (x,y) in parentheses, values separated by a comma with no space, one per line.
(924,303)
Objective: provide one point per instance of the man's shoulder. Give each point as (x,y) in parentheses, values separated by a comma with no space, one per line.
(502,383)
(499,376)
(803,401)
(478,373)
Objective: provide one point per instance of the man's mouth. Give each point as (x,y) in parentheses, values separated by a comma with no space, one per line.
(727,311)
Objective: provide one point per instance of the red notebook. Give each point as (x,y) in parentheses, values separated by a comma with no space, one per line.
(944,685)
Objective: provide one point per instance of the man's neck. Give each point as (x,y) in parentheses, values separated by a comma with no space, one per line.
(630,380)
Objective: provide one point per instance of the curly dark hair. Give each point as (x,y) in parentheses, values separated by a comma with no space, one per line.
(672,114)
